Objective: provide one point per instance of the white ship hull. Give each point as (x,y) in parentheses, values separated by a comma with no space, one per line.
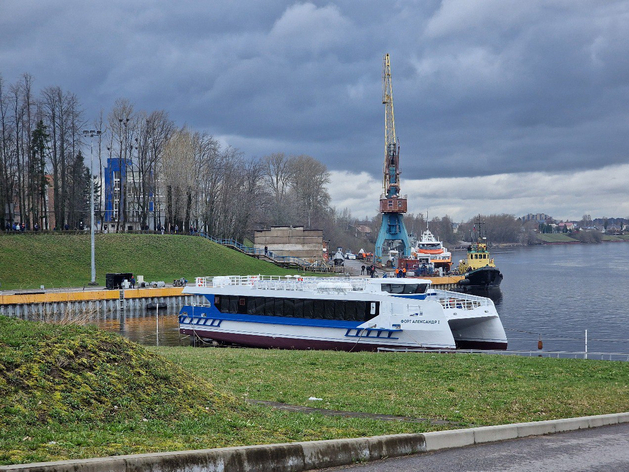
(342,315)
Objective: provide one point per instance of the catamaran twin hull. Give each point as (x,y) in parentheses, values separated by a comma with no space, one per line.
(340,314)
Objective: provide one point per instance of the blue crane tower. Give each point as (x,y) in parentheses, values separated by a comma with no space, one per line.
(392,204)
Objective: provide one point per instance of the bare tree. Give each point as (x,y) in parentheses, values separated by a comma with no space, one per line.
(158,130)
(18,110)
(496,228)
(121,128)
(442,229)
(309,178)
(63,119)
(7,157)
(178,176)
(276,172)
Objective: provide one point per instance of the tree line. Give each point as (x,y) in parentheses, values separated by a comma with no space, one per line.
(165,176)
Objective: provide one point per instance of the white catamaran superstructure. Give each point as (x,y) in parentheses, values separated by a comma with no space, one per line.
(349,314)
(430,246)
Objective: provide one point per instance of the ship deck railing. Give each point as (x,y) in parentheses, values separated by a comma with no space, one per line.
(462,301)
(290,283)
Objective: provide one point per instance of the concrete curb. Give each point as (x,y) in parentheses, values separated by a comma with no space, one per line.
(302,456)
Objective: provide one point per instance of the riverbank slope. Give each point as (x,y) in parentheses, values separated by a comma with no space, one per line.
(28,261)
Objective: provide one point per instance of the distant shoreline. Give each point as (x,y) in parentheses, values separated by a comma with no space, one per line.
(463,247)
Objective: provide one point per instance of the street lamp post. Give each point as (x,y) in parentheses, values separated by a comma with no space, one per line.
(91,133)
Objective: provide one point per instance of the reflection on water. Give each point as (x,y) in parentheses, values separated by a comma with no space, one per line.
(147,328)
(494,293)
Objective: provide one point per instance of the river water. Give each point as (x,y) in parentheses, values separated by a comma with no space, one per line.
(557,292)
(552,293)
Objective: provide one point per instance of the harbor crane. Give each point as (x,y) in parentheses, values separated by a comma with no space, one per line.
(392,204)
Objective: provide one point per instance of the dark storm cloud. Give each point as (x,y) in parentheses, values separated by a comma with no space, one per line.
(480,87)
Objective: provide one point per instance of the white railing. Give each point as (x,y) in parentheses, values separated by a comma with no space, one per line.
(461,301)
(288,282)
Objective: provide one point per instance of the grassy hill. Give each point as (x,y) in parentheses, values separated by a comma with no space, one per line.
(28,261)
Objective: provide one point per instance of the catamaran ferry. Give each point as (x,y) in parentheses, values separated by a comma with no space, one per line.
(350,314)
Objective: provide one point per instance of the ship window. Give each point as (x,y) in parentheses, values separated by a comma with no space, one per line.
(255,306)
(289,308)
(419,288)
(362,314)
(309,309)
(233,304)
(226,304)
(279,307)
(242,306)
(269,306)
(299,308)
(340,313)
(351,313)
(318,309)
(328,312)
(404,288)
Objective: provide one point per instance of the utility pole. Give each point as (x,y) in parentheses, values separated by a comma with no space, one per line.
(91,133)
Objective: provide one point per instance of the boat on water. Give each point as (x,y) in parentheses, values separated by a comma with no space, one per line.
(350,314)
(429,258)
(479,268)
(430,246)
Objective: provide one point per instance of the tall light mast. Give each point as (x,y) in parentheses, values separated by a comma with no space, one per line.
(392,204)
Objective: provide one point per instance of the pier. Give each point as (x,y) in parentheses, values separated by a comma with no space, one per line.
(447,282)
(56,305)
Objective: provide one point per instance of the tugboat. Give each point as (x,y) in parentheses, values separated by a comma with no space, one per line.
(479,268)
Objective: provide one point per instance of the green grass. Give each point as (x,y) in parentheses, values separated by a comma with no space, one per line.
(469,389)
(556,238)
(28,261)
(77,392)
(616,238)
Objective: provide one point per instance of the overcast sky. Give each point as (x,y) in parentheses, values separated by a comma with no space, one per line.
(501,106)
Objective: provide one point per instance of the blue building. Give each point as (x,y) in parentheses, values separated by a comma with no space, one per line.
(115,178)
(123,192)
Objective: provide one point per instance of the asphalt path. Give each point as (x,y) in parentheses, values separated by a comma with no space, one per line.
(596,449)
(352,267)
